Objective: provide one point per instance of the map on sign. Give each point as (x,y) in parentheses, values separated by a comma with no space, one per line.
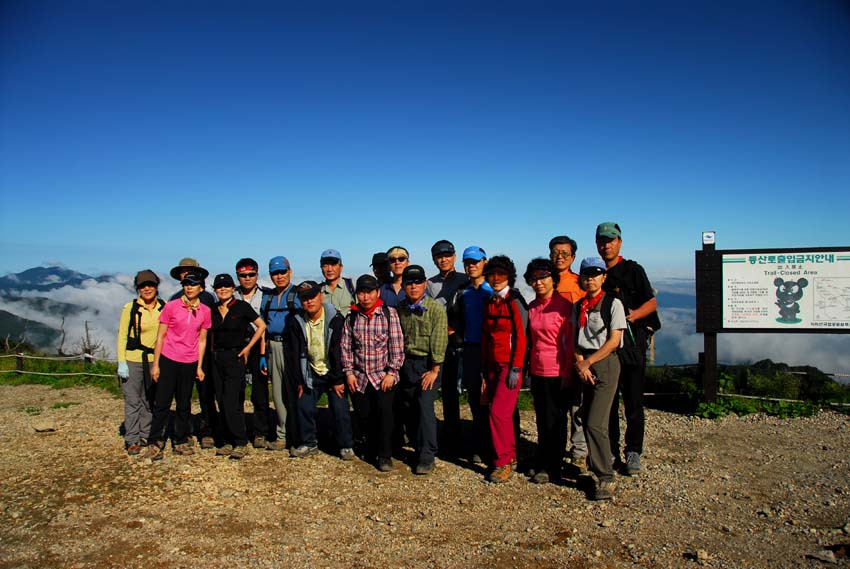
(791,291)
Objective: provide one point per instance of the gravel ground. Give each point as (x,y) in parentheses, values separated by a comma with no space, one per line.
(737,492)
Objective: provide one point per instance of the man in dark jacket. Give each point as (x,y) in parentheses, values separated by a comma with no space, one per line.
(313,360)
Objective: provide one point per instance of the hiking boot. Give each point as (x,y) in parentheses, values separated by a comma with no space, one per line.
(500,474)
(424,467)
(540,477)
(303,451)
(154,452)
(476,459)
(579,462)
(134,449)
(276,445)
(346,454)
(260,442)
(224,450)
(206,443)
(632,464)
(184,449)
(239,452)
(385,464)
(605,490)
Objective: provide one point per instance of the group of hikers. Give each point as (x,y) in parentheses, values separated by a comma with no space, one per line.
(391,341)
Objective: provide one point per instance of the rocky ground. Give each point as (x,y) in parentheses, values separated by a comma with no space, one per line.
(737,492)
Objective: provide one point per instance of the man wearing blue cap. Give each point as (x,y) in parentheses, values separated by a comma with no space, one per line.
(336,289)
(627,280)
(466,319)
(276,306)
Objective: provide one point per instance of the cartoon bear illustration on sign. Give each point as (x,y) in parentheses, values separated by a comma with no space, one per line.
(787,295)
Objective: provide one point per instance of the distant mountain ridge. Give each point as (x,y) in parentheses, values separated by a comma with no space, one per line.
(46,279)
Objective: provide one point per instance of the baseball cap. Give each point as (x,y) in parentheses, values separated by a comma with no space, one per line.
(379,258)
(308,289)
(592,266)
(366,282)
(442,247)
(223,280)
(279,263)
(330,254)
(474,252)
(608,229)
(145,277)
(413,273)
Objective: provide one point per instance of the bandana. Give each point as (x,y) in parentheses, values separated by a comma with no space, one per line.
(588,304)
(368,313)
(191,306)
(418,307)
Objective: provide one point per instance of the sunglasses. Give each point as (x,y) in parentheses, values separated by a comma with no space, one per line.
(471,261)
(246,275)
(414,281)
(561,255)
(397,259)
(283,272)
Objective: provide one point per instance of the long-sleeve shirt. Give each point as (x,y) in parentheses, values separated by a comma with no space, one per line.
(503,335)
(550,337)
(425,329)
(373,347)
(149,326)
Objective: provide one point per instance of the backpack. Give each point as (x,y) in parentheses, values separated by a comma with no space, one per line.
(134,330)
(267,303)
(629,353)
(349,284)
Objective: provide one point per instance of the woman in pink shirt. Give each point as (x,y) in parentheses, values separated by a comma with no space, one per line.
(178,359)
(550,338)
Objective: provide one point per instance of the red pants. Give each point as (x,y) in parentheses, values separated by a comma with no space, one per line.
(502,405)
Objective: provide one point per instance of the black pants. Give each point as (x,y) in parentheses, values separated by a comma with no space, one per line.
(631,384)
(229,381)
(415,407)
(481,443)
(550,410)
(338,407)
(206,399)
(373,410)
(451,401)
(175,382)
(259,395)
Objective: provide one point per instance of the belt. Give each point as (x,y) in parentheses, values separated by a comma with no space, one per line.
(275,337)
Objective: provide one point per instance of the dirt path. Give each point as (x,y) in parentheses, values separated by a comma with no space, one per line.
(748,492)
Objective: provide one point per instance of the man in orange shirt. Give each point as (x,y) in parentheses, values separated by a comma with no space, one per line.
(562,251)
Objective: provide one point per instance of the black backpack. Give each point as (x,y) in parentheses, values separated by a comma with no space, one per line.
(134,330)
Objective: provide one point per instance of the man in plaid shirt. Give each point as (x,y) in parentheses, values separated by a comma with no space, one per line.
(372,354)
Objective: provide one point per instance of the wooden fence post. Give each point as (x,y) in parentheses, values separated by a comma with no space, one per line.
(19,362)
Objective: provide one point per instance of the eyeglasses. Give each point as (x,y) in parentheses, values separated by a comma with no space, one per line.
(534,278)
(397,259)
(246,275)
(560,255)
(281,272)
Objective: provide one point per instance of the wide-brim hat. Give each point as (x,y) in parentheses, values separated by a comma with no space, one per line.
(189,264)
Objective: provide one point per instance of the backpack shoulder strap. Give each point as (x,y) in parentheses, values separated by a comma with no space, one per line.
(349,284)
(290,299)
(605,310)
(265,305)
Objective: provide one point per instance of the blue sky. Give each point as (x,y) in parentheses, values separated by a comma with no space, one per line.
(135,133)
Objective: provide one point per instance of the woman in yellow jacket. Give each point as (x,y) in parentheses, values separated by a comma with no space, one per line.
(137,331)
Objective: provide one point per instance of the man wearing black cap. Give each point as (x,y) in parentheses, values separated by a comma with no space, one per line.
(206,391)
(627,280)
(314,360)
(443,287)
(247,271)
(381,268)
(372,355)
(424,324)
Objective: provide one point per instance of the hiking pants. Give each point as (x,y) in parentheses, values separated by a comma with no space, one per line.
(175,382)
(206,400)
(631,384)
(597,408)
(259,394)
(550,409)
(338,407)
(374,412)
(502,409)
(481,444)
(229,381)
(137,407)
(284,395)
(415,407)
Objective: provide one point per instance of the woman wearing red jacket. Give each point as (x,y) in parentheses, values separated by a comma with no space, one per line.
(503,353)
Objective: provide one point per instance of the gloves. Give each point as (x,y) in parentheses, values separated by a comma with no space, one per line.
(123,370)
(263,365)
(513,378)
